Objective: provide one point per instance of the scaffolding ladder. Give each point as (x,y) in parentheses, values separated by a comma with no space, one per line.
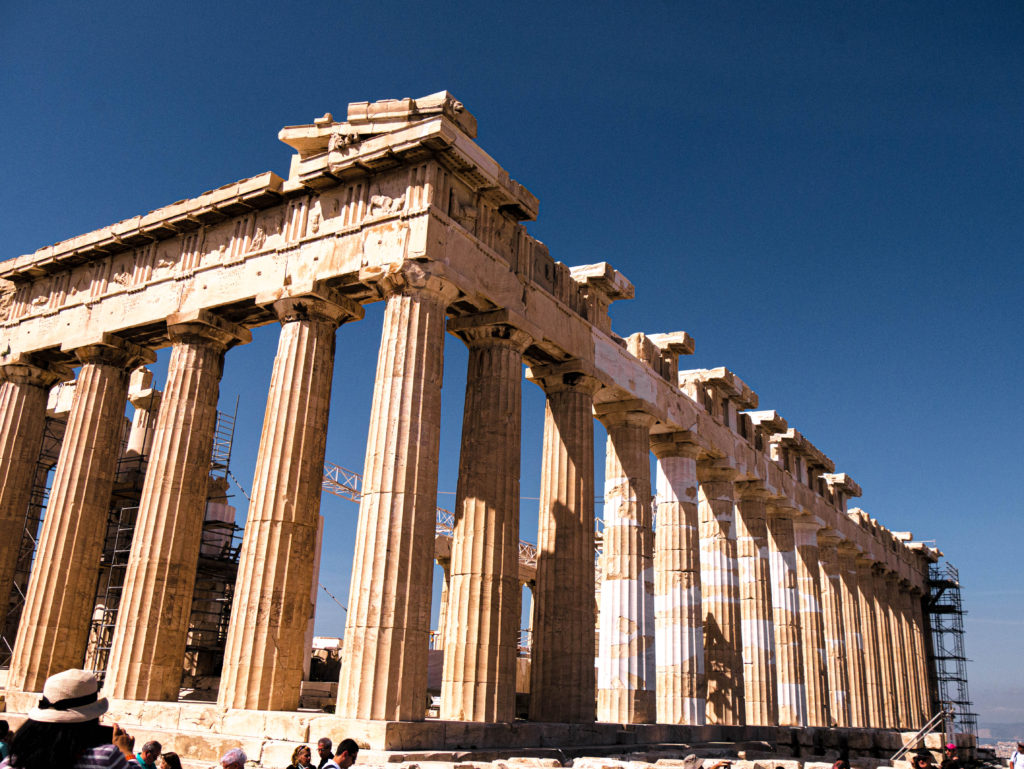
(946,624)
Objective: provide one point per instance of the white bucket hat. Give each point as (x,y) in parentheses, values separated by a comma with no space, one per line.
(70,697)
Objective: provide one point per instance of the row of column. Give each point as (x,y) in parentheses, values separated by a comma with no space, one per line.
(724,617)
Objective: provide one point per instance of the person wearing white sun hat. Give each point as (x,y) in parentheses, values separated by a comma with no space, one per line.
(64,729)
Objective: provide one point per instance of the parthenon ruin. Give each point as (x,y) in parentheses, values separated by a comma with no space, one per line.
(759,599)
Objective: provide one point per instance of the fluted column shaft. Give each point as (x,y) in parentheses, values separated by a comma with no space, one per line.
(442,613)
(872,650)
(562,678)
(760,685)
(265,653)
(723,639)
(900,658)
(54,628)
(384,659)
(909,659)
(24,388)
(886,651)
(792,696)
(152,620)
(857,694)
(681,689)
(833,624)
(626,664)
(484,598)
(812,635)
(918,628)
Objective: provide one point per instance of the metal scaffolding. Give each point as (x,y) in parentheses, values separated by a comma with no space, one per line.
(946,622)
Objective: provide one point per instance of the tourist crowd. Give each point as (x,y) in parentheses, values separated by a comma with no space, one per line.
(64,732)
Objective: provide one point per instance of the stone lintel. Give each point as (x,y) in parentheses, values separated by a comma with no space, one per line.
(842,482)
(795,441)
(723,383)
(410,275)
(502,317)
(208,325)
(604,279)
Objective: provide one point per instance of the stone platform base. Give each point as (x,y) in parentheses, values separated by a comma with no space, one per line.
(203,732)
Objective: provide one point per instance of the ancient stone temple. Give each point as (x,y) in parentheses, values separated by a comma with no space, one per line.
(759,606)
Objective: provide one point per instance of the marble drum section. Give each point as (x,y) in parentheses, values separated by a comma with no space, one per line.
(759,600)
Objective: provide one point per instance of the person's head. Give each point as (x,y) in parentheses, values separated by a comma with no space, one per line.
(168,761)
(346,752)
(950,747)
(234,759)
(301,755)
(841,763)
(323,747)
(150,751)
(63,724)
(921,761)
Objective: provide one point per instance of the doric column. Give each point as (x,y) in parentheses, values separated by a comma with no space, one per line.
(792,696)
(886,670)
(720,592)
(265,652)
(678,616)
(857,694)
(869,632)
(24,387)
(384,659)
(626,664)
(442,613)
(833,624)
(479,676)
(812,635)
(562,680)
(147,408)
(900,659)
(918,629)
(54,628)
(152,620)
(760,685)
(912,717)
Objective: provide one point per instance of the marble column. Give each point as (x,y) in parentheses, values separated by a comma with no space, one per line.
(912,717)
(857,694)
(264,654)
(562,678)
(54,630)
(442,613)
(384,658)
(833,624)
(918,628)
(720,593)
(626,665)
(869,631)
(760,685)
(147,408)
(792,695)
(152,620)
(886,650)
(812,634)
(479,676)
(681,691)
(900,658)
(24,387)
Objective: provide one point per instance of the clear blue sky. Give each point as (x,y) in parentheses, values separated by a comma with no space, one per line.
(828,196)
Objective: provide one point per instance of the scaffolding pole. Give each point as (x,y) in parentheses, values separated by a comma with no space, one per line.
(946,622)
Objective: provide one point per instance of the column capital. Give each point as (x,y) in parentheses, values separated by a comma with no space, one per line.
(716,470)
(572,375)
(829,538)
(625,412)
(205,328)
(145,399)
(409,277)
(752,490)
(780,507)
(311,301)
(21,368)
(107,349)
(678,444)
(501,327)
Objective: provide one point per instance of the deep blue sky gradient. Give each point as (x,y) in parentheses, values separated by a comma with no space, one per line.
(828,196)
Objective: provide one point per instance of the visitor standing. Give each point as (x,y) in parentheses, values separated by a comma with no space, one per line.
(146,757)
(344,755)
(323,749)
